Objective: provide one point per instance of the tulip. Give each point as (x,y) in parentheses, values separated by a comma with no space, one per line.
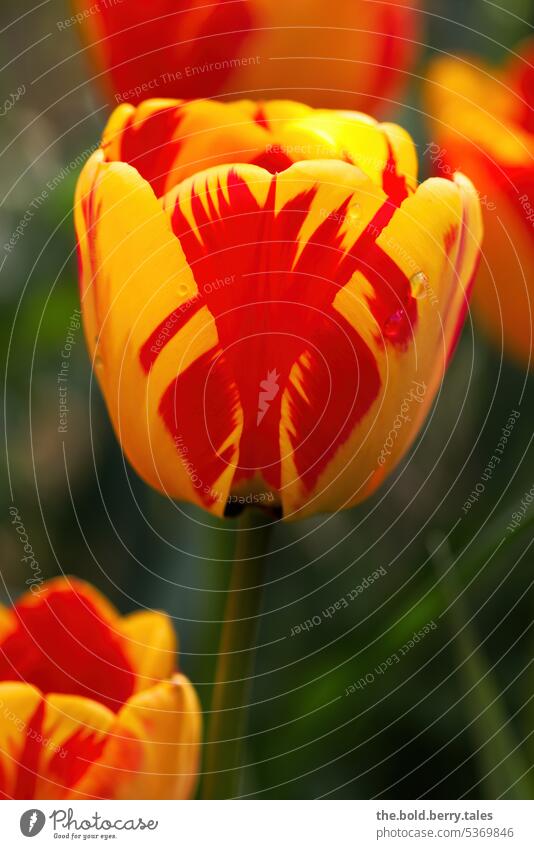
(482,121)
(90,703)
(353,53)
(268,297)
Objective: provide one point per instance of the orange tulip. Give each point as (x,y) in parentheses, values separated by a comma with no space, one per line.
(271,331)
(352,53)
(90,704)
(483,122)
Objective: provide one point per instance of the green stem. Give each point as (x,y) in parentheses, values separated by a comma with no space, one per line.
(227,726)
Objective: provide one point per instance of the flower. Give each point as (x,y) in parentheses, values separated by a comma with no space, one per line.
(90,704)
(482,121)
(354,53)
(265,290)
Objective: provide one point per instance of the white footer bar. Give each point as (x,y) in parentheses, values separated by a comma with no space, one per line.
(269,824)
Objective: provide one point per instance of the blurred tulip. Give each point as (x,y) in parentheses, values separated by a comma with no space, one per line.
(352,53)
(273,331)
(90,705)
(482,121)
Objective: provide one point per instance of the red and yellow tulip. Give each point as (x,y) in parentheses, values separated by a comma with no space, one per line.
(482,121)
(269,298)
(90,703)
(352,53)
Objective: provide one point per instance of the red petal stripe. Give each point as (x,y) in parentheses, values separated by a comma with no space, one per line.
(62,645)
(277,310)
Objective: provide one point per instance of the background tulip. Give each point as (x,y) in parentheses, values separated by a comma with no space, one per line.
(482,122)
(271,331)
(354,53)
(90,704)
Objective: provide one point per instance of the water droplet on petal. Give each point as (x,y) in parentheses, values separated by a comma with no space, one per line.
(354,213)
(394,328)
(183,289)
(98,362)
(419,283)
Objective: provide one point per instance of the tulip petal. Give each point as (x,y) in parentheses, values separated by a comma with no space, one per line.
(494,146)
(503,299)
(385,152)
(47,744)
(65,640)
(154,751)
(351,53)
(149,138)
(170,716)
(170,140)
(356,51)
(434,241)
(125,240)
(164,45)
(150,643)
(74,733)
(19,704)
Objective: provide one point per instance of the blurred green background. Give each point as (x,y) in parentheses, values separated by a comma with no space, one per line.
(455,717)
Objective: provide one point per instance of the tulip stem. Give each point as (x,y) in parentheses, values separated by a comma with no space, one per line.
(227,725)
